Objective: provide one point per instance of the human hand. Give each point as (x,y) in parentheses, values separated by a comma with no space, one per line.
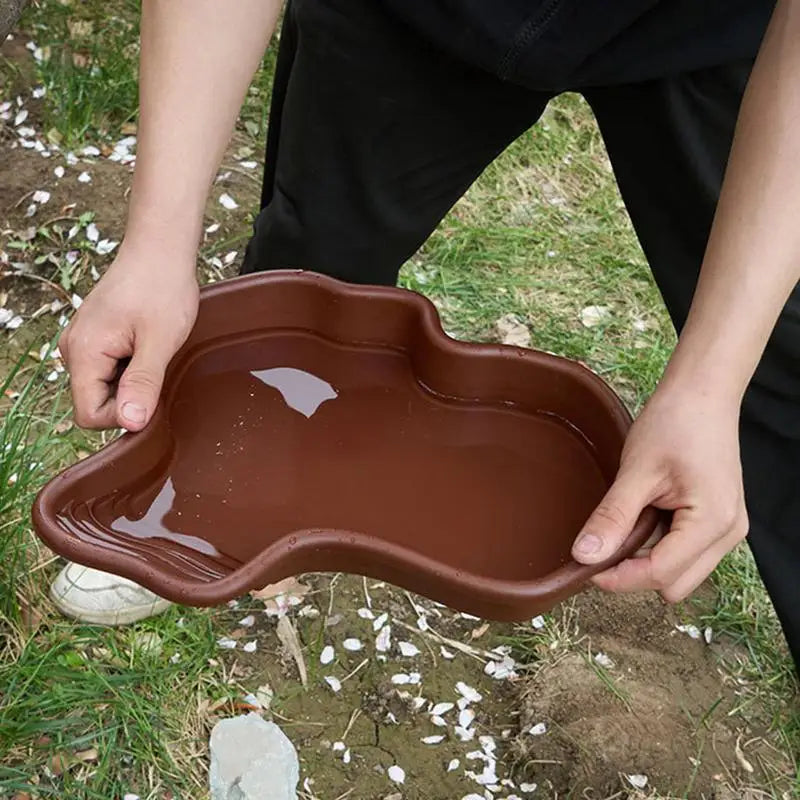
(682,455)
(142,310)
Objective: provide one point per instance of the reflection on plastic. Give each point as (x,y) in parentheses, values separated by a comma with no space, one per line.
(301,390)
(152,525)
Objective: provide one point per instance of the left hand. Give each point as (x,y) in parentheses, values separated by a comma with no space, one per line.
(682,454)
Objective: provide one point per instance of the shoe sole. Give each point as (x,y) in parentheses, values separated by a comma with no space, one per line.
(110,619)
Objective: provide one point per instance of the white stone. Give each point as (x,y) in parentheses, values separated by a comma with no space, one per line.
(252,759)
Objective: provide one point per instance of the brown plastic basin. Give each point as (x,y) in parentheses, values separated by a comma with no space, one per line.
(308,425)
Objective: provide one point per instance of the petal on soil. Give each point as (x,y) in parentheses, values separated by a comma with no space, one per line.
(468,693)
(226,201)
(384,639)
(603,660)
(408,649)
(538,729)
(380,621)
(334,683)
(466,718)
(105,246)
(397,774)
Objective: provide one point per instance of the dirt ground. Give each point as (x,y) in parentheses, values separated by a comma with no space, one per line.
(620,701)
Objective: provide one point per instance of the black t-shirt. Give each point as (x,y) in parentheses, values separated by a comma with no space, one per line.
(563,44)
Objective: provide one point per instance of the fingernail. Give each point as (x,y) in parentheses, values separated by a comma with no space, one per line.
(588,544)
(134,412)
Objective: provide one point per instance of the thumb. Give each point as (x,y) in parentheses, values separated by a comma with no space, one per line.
(140,387)
(613,520)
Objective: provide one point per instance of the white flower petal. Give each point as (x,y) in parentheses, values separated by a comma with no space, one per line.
(384,639)
(690,630)
(538,729)
(334,683)
(464,734)
(446,653)
(226,644)
(453,765)
(603,660)
(408,649)
(84,177)
(468,693)
(248,621)
(432,739)
(41,196)
(105,246)
(637,781)
(327,655)
(353,645)
(365,613)
(442,708)
(397,774)
(226,201)
(59,171)
(380,621)
(250,647)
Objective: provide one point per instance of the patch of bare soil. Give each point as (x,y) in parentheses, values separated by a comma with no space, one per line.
(661,708)
(375,679)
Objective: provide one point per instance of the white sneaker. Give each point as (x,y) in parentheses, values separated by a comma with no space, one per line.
(99,598)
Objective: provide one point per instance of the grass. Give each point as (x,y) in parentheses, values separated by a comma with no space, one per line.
(541,235)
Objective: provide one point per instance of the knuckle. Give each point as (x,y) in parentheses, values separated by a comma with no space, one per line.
(83,419)
(661,576)
(672,595)
(138,379)
(611,513)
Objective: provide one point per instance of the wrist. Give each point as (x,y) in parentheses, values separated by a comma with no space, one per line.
(705,374)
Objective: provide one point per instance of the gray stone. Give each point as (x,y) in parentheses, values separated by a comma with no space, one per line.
(252,759)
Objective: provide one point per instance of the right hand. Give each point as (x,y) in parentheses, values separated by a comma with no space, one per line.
(143,309)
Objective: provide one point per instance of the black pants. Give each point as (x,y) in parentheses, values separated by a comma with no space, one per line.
(376,131)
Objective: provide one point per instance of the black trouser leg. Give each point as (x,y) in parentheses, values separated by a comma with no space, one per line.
(373,137)
(669,142)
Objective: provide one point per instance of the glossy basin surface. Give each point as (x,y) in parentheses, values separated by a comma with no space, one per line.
(308,425)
